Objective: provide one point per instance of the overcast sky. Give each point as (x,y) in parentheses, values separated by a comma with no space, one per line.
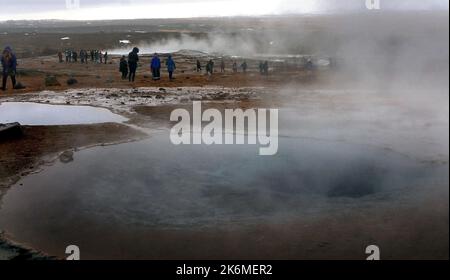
(125,9)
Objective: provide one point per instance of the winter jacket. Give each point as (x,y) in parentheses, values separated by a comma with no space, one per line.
(171,66)
(156,63)
(123,66)
(133,57)
(9,66)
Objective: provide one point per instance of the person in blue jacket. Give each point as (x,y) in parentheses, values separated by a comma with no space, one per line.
(156,67)
(9,65)
(171,66)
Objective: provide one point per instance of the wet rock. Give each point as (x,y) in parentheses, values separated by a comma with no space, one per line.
(11,251)
(51,81)
(66,157)
(11,130)
(72,81)
(19,85)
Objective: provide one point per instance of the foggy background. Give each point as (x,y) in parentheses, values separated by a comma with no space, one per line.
(131,9)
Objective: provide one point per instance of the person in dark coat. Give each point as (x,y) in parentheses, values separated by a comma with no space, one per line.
(266,68)
(9,65)
(67,53)
(171,66)
(156,67)
(199,66)
(244,66)
(123,68)
(133,59)
(105,57)
(82,56)
(210,67)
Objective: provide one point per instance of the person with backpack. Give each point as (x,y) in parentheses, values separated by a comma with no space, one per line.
(9,65)
(171,66)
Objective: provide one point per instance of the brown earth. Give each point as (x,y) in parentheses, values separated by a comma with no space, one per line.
(33,71)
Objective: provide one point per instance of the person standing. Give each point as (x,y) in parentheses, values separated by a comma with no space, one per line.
(156,67)
(9,65)
(244,66)
(82,56)
(266,68)
(133,59)
(105,57)
(171,66)
(199,66)
(235,67)
(86,56)
(222,66)
(123,68)
(210,67)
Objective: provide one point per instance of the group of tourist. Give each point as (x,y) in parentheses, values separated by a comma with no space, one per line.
(95,56)
(128,65)
(235,67)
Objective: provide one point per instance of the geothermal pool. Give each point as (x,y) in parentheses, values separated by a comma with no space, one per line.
(27,113)
(125,201)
